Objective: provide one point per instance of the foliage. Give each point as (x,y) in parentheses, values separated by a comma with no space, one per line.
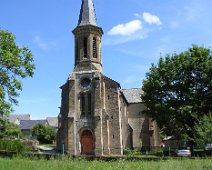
(31,145)
(9,130)
(168,151)
(178,91)
(203,129)
(199,153)
(132,152)
(44,134)
(159,153)
(3,125)
(12,130)
(67,164)
(12,145)
(15,63)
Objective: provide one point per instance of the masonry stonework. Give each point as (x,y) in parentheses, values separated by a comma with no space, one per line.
(96,116)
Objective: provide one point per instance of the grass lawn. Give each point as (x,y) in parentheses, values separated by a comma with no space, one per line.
(70,164)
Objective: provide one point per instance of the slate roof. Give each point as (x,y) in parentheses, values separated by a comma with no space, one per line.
(29,124)
(52,121)
(14,117)
(133,95)
(87,14)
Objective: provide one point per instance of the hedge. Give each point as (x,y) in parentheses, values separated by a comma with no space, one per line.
(12,145)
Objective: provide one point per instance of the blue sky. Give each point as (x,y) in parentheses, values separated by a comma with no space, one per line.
(136,34)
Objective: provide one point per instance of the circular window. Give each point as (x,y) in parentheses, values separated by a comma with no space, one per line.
(85,83)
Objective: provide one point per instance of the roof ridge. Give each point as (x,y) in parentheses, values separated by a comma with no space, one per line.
(133,88)
(133,95)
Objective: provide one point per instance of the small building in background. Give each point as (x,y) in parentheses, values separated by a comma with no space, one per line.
(52,121)
(25,124)
(16,118)
(26,127)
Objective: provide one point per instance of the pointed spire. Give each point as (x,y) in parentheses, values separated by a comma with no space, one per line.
(87,13)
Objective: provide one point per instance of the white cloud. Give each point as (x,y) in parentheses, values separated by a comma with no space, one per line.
(138,35)
(127,28)
(151,19)
(43,45)
(132,30)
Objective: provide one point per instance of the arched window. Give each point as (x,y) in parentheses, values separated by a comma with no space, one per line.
(94,48)
(85,49)
(76,50)
(89,104)
(82,104)
(86,103)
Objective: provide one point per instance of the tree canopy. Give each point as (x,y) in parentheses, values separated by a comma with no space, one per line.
(15,63)
(44,134)
(203,131)
(178,91)
(10,130)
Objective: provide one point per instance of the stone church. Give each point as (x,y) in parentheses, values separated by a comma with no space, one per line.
(96,116)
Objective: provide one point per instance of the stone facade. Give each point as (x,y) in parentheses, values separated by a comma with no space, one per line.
(97,117)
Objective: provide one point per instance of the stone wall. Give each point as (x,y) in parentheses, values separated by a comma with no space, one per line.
(62,118)
(115,124)
(112,119)
(140,124)
(126,131)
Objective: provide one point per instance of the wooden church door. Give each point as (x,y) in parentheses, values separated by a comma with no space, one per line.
(87,142)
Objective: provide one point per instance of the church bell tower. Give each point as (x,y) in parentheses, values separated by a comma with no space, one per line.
(90,119)
(87,36)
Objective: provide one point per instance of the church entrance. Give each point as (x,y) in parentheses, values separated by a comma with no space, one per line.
(87,142)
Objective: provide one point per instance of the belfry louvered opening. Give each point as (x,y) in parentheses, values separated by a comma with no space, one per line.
(94,48)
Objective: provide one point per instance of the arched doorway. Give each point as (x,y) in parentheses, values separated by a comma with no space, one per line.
(87,142)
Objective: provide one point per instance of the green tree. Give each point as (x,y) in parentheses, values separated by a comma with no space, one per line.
(12,130)
(15,63)
(203,131)
(178,91)
(44,134)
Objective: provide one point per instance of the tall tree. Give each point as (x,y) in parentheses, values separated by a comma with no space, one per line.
(178,91)
(203,131)
(15,63)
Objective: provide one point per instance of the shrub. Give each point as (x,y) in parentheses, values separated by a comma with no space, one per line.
(44,134)
(199,152)
(159,153)
(169,152)
(208,152)
(12,145)
(31,145)
(132,152)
